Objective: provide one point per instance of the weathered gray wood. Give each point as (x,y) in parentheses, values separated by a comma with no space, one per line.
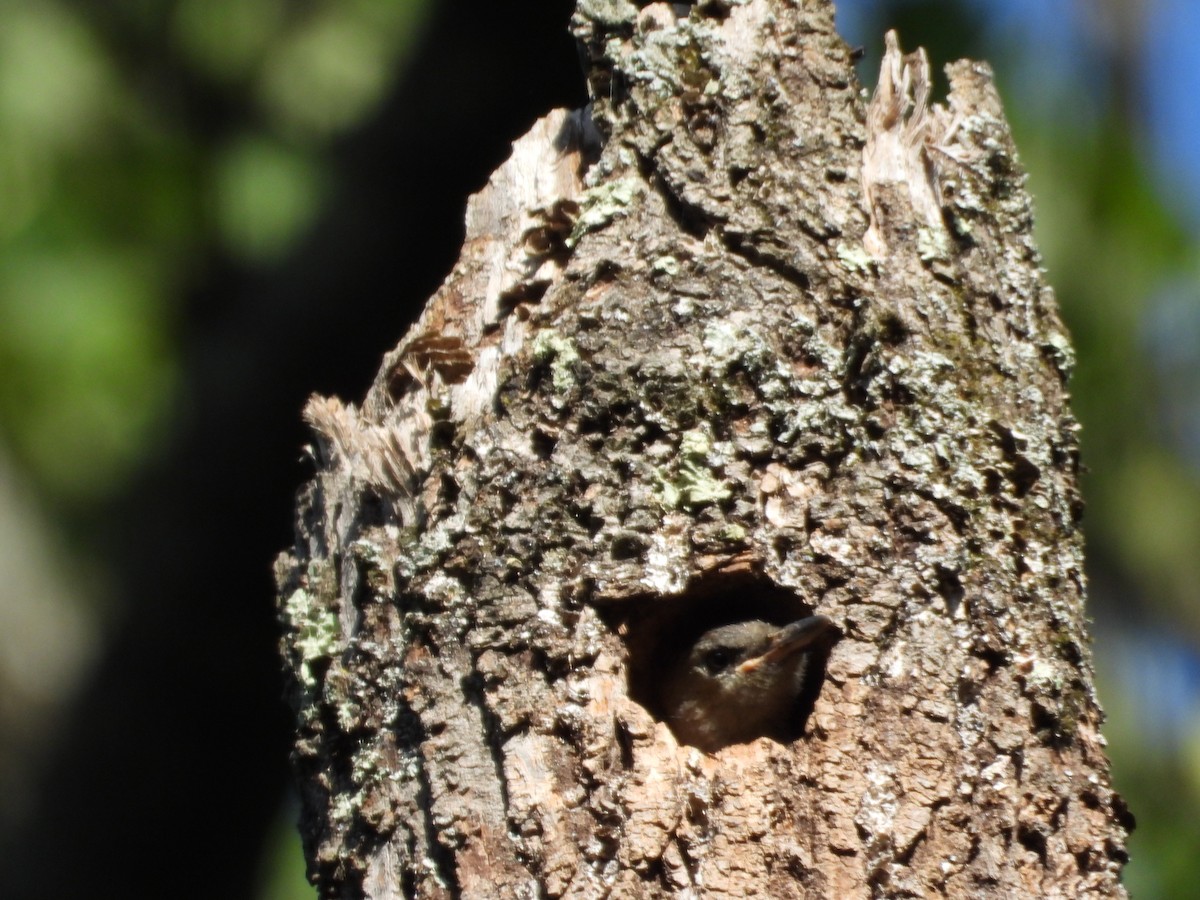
(778,350)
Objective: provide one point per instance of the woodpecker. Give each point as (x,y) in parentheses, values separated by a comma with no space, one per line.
(742,681)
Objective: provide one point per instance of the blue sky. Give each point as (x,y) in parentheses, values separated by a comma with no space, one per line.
(1170,89)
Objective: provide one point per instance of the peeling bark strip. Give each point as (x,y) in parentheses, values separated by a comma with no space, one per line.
(773,352)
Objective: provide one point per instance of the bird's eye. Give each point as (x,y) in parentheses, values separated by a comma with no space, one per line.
(717,659)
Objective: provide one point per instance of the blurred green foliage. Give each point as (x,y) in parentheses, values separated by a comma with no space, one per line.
(83,336)
(283,869)
(112,202)
(140,142)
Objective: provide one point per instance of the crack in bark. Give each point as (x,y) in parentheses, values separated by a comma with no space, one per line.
(442,857)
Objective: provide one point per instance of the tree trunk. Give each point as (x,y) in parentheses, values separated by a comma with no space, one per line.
(747,347)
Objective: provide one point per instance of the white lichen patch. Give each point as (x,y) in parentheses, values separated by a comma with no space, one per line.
(551,347)
(855,258)
(602,204)
(317,632)
(665,265)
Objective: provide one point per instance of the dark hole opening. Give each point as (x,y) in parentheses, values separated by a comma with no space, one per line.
(660,632)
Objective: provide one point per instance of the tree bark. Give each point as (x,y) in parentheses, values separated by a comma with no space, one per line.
(768,350)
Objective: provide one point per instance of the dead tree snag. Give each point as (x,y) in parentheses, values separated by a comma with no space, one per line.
(734,345)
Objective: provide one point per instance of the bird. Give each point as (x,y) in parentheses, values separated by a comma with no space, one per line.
(743,681)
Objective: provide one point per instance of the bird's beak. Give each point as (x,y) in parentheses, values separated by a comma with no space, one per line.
(790,639)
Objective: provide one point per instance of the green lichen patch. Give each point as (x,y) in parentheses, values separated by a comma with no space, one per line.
(695,483)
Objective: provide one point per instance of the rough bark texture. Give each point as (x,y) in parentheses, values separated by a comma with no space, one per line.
(775,350)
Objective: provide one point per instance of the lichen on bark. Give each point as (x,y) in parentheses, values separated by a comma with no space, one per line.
(773,348)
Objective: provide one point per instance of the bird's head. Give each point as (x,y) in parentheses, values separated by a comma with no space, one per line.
(741,681)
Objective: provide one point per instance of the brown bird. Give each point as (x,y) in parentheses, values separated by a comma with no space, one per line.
(742,681)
